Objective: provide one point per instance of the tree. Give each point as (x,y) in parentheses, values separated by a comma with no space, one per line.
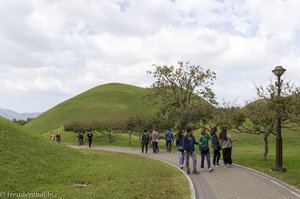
(261,116)
(175,89)
(110,128)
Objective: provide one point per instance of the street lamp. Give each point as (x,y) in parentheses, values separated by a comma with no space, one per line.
(278,71)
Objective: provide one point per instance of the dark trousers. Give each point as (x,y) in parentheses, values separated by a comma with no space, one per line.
(169,145)
(146,148)
(217,156)
(155,147)
(90,143)
(227,156)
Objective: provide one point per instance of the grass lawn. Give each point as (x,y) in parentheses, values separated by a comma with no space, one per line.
(248,151)
(32,164)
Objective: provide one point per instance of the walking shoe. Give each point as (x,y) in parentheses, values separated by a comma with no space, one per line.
(181,166)
(227,165)
(195,172)
(210,169)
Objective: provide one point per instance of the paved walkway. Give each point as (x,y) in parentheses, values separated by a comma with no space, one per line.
(235,182)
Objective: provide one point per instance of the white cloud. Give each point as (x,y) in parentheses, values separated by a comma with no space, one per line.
(61,48)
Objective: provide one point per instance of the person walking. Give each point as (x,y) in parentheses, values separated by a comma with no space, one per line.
(145,141)
(58,137)
(90,138)
(215,144)
(169,140)
(204,149)
(52,136)
(226,145)
(179,144)
(155,140)
(80,139)
(189,142)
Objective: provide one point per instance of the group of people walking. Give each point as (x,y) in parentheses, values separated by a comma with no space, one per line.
(57,137)
(185,143)
(80,138)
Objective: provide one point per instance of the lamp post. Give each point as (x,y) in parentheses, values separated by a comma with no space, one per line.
(278,71)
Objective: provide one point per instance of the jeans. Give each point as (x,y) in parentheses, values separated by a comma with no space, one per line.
(203,155)
(187,162)
(181,157)
(169,145)
(217,156)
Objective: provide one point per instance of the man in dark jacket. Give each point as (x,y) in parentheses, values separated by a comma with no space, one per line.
(145,141)
(189,142)
(90,138)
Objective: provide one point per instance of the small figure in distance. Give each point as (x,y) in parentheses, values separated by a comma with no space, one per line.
(90,138)
(169,140)
(204,149)
(215,144)
(179,144)
(189,142)
(80,139)
(58,137)
(52,136)
(145,141)
(226,145)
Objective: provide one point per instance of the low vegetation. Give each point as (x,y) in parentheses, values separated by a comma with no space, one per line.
(32,164)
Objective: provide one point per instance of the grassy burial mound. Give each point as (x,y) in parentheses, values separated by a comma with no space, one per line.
(102,102)
(32,165)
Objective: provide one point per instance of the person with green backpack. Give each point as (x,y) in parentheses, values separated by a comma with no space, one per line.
(204,149)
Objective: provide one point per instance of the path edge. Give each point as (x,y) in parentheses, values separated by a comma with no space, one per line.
(191,184)
(280,183)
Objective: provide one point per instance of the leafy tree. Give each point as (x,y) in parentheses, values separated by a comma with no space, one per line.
(262,114)
(177,88)
(110,128)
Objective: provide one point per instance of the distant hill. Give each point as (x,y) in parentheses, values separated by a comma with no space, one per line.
(107,101)
(9,114)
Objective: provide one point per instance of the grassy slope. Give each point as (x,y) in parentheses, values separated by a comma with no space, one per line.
(32,164)
(103,102)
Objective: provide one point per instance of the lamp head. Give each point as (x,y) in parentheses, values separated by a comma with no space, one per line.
(278,71)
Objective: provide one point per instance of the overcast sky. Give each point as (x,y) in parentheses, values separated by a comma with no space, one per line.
(51,50)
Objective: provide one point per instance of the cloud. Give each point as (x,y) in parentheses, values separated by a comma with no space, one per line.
(62,48)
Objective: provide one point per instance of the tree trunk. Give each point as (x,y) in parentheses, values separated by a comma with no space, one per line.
(266,145)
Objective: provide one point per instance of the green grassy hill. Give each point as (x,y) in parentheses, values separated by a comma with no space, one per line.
(102,102)
(31,164)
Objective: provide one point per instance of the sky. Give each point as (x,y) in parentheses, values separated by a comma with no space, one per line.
(52,50)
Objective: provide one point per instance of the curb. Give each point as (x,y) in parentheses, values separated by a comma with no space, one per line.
(287,187)
(192,188)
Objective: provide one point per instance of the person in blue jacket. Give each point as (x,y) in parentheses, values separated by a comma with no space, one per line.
(169,140)
(189,142)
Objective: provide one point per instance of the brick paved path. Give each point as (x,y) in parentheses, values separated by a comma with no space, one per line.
(224,183)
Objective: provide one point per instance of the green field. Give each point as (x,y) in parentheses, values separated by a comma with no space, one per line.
(248,151)
(33,164)
(102,102)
